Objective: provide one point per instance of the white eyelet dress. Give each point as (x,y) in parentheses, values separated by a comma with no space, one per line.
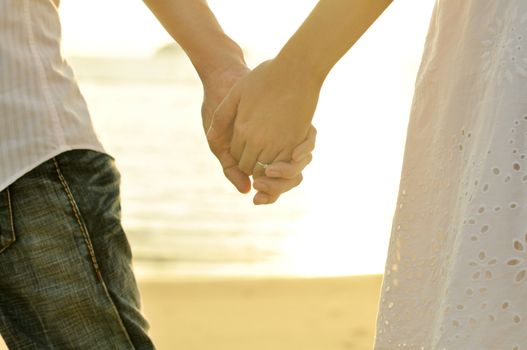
(456,271)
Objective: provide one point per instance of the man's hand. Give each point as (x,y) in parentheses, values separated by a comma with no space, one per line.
(219,63)
(273,106)
(282,176)
(215,90)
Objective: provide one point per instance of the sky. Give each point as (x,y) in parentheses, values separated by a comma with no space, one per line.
(127,28)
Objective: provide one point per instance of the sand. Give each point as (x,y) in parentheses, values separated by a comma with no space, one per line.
(330,313)
(262,314)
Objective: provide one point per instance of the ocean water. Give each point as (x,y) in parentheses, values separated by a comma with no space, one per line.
(181,215)
(183,218)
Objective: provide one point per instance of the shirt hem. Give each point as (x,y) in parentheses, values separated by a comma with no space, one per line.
(45,157)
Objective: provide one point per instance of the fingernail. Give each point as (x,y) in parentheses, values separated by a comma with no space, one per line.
(260,199)
(272,173)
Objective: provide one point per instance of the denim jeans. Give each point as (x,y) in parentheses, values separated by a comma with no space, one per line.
(66,279)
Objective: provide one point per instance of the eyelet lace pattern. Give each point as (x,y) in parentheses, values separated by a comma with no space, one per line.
(456,270)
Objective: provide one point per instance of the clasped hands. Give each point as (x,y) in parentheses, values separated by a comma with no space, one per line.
(261,117)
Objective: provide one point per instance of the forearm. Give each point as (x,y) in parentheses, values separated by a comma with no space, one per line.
(328,33)
(192,24)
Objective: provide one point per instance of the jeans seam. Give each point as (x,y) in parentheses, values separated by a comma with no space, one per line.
(89,245)
(79,222)
(11,221)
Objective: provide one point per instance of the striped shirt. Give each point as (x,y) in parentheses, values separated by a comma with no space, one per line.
(42,111)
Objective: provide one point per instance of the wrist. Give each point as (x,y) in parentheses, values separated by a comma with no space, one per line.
(225,58)
(305,68)
(296,75)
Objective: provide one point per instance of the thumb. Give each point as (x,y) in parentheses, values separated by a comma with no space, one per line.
(305,149)
(224,116)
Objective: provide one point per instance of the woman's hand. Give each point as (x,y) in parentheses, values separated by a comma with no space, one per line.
(270,112)
(282,176)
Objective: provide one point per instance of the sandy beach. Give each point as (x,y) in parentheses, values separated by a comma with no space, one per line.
(262,314)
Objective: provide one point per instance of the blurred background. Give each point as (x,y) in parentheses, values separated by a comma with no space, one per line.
(182,216)
(215,271)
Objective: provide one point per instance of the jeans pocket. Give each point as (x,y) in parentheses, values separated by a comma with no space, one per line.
(7,227)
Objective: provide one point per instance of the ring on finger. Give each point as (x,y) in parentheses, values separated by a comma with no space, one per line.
(263,165)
